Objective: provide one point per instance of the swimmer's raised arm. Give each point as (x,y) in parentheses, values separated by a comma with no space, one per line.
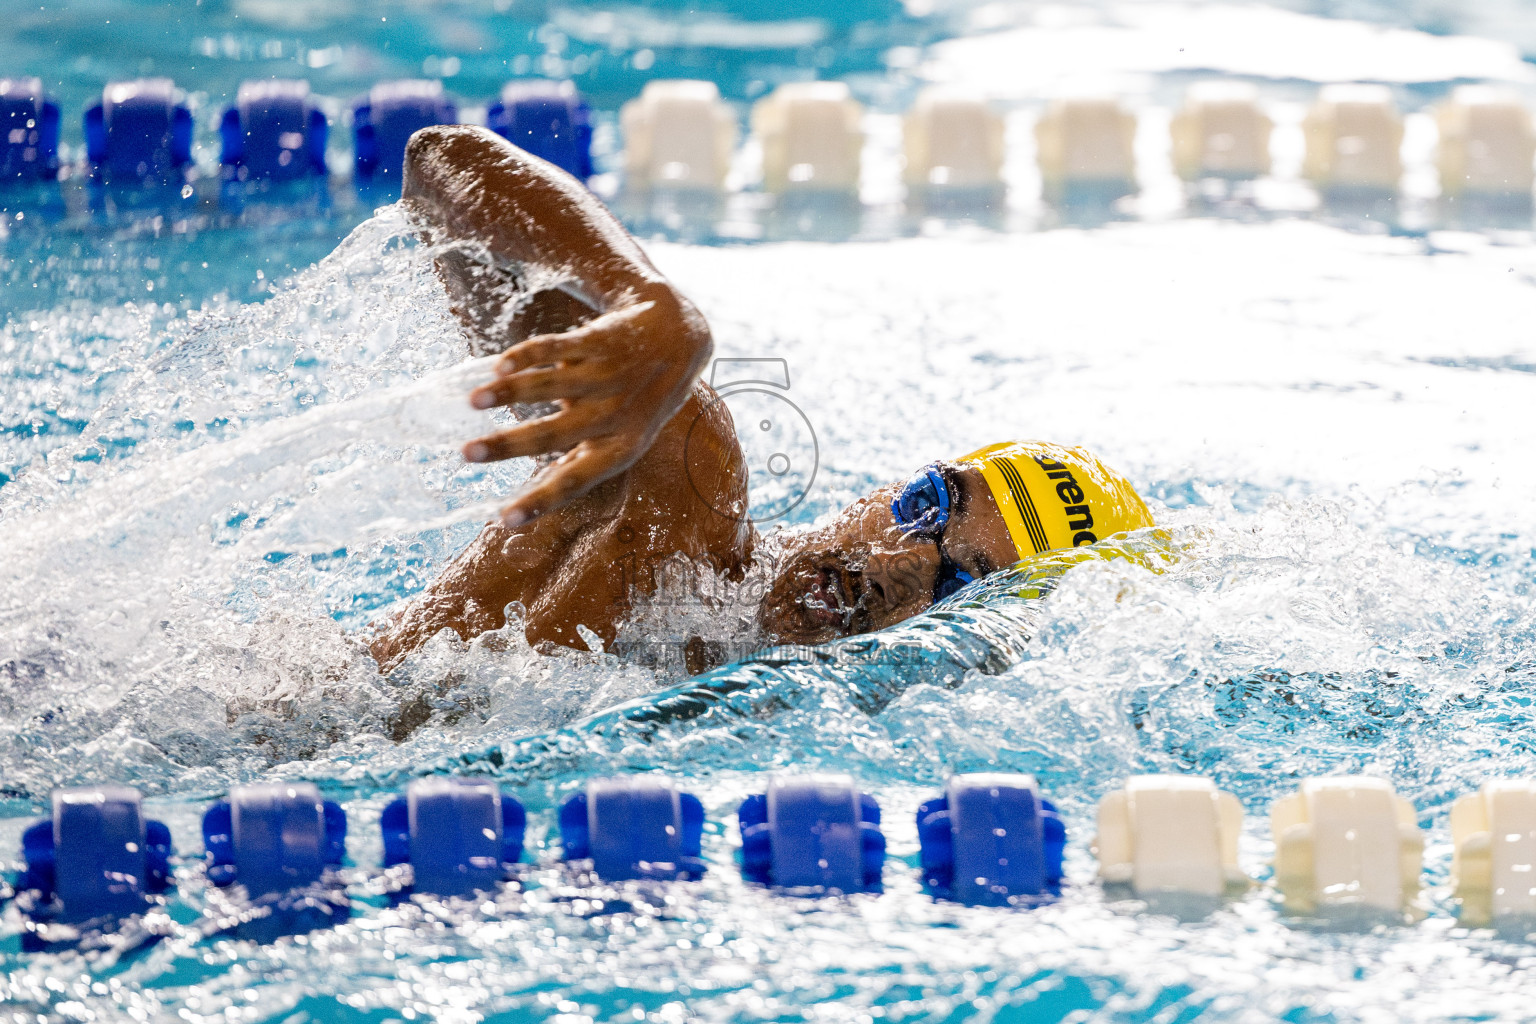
(614,344)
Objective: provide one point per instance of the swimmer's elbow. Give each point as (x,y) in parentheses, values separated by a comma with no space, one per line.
(426,141)
(429,159)
(387,652)
(448,166)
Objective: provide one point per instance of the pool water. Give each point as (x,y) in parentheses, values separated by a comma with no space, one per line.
(212,488)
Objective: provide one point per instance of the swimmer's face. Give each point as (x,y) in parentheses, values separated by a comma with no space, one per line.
(861,573)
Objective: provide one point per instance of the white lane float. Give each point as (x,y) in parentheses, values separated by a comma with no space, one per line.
(1354,139)
(1086,145)
(1348,842)
(1487,143)
(952,141)
(812,137)
(1162,834)
(1221,132)
(677,134)
(1494,866)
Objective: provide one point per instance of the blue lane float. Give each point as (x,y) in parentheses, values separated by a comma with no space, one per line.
(459,836)
(29,131)
(815,833)
(991,839)
(549,120)
(281,844)
(384,121)
(140,132)
(634,827)
(271,837)
(96,860)
(274,132)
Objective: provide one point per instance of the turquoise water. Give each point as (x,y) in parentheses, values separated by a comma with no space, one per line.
(212,487)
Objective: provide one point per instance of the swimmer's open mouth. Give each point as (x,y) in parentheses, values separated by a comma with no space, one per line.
(827,601)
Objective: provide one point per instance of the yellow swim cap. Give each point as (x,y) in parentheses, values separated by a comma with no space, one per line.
(1055,497)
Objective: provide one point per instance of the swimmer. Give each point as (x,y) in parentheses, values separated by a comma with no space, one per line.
(636,453)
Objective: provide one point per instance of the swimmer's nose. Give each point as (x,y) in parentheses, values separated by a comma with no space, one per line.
(903,576)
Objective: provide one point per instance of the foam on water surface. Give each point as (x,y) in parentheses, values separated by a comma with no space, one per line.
(1331,427)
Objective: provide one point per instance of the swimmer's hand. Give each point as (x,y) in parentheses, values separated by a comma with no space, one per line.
(617,379)
(621,354)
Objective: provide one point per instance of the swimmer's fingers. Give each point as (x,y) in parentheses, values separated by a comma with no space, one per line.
(544,350)
(568,478)
(630,331)
(546,384)
(554,433)
(619,378)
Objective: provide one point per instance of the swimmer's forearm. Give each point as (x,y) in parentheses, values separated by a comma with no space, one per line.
(468,183)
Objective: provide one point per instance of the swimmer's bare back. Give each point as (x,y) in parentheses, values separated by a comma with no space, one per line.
(643,452)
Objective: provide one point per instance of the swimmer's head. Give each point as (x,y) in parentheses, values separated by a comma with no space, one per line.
(894,552)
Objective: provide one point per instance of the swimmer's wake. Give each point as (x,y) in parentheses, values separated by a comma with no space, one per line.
(985,629)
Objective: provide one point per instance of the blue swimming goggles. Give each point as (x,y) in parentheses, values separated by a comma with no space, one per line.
(921,507)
